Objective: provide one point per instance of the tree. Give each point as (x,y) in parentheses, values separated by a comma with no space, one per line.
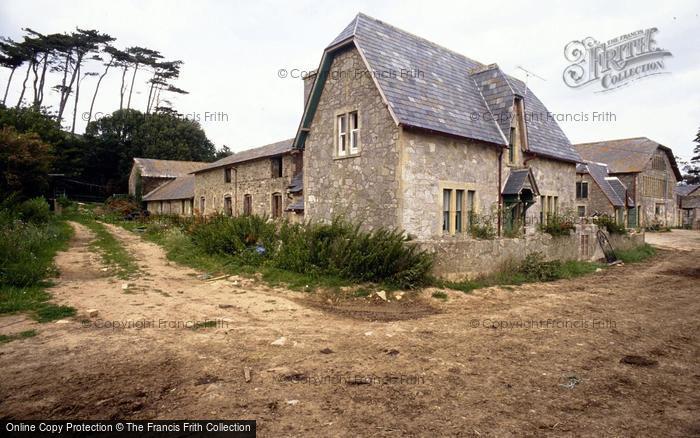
(692,170)
(25,161)
(116,139)
(114,56)
(12,56)
(139,57)
(224,152)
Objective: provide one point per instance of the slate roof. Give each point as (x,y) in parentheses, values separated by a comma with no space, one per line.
(517,181)
(269,150)
(444,96)
(690,202)
(298,205)
(627,155)
(685,190)
(620,189)
(181,187)
(153,168)
(297,183)
(599,173)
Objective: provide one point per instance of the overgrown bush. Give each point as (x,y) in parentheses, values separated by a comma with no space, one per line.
(249,238)
(558,225)
(481,227)
(27,248)
(345,250)
(535,268)
(338,249)
(35,210)
(609,224)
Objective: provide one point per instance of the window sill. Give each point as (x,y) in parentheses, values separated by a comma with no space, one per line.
(343,157)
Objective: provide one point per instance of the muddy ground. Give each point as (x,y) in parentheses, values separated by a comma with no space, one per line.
(612,353)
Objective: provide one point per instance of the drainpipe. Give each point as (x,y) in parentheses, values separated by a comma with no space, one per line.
(500,198)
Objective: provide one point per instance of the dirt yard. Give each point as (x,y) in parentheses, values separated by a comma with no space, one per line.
(614,353)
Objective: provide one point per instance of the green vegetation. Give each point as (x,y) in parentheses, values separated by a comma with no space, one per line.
(638,254)
(301,256)
(481,227)
(533,269)
(558,225)
(609,224)
(113,253)
(21,335)
(440,295)
(29,240)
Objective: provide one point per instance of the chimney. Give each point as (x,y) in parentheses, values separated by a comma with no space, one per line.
(309,79)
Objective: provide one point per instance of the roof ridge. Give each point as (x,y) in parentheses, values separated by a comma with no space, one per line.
(432,43)
(617,139)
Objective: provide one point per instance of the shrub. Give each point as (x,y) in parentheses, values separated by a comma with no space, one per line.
(122,205)
(535,268)
(250,238)
(481,227)
(558,225)
(609,224)
(35,210)
(344,250)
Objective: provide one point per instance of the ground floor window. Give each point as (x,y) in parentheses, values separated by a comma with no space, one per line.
(247,205)
(182,207)
(202,204)
(228,206)
(549,208)
(581,211)
(276,205)
(457,210)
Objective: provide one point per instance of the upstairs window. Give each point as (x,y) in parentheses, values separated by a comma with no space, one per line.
(227,175)
(342,135)
(276,167)
(582,190)
(354,132)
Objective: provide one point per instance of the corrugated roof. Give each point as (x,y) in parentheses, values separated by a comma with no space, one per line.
(181,187)
(442,93)
(153,168)
(269,150)
(627,155)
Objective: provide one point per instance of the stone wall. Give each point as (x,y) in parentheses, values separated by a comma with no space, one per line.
(554,178)
(457,259)
(361,187)
(252,178)
(431,163)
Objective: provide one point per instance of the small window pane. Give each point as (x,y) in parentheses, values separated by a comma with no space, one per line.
(446,195)
(459,199)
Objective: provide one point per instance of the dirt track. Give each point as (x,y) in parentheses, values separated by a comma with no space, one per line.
(478,367)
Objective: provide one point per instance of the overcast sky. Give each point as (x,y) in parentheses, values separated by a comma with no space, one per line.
(232,52)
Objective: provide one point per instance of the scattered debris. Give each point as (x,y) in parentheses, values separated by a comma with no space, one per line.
(246,374)
(206,379)
(571,383)
(327,351)
(398,296)
(639,361)
(369,333)
(599,269)
(92,313)
(62,321)
(279,341)
(220,277)
(225,306)
(204,276)
(392,352)
(292,402)
(125,286)
(381,294)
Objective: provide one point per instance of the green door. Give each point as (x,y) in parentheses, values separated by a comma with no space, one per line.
(632,217)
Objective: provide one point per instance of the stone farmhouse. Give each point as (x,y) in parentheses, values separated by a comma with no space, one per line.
(598,193)
(689,203)
(400,132)
(147,174)
(648,170)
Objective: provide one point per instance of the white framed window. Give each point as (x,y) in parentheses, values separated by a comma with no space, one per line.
(354,132)
(342,135)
